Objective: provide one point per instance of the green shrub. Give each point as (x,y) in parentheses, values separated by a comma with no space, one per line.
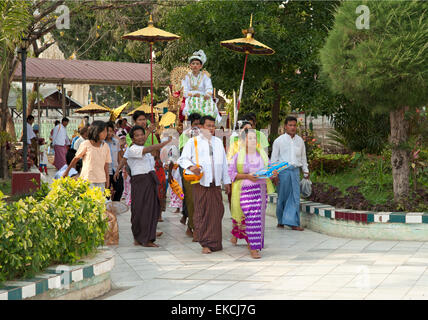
(66,225)
(330,163)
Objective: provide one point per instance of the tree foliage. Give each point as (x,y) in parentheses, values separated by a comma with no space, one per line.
(295,30)
(384,67)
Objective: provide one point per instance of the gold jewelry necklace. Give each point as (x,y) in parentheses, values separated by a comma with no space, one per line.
(195,83)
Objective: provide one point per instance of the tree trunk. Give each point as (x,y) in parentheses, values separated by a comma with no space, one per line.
(276,107)
(400,156)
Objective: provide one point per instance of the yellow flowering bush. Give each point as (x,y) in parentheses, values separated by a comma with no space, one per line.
(66,225)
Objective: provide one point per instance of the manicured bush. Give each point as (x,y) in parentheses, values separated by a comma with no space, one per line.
(330,163)
(66,225)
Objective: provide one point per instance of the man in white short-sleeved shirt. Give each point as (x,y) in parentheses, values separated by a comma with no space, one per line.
(289,147)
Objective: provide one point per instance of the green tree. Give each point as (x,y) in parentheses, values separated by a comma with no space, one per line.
(384,67)
(295,30)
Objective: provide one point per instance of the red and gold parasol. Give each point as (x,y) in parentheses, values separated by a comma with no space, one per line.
(247,45)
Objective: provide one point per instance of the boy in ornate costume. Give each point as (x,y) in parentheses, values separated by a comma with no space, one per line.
(198,89)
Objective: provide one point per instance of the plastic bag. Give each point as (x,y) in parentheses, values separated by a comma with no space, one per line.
(305,188)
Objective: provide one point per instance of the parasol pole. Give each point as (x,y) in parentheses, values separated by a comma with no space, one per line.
(151,82)
(241,88)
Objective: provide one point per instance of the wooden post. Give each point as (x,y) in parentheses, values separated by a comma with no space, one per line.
(63,99)
(132,95)
(38,106)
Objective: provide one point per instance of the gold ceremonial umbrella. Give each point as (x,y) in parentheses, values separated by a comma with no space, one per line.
(151,34)
(92,109)
(162,105)
(115,113)
(144,107)
(167,119)
(247,45)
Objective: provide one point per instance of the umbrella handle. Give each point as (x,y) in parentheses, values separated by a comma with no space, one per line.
(151,82)
(242,82)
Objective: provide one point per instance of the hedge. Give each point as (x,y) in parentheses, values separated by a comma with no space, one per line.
(66,225)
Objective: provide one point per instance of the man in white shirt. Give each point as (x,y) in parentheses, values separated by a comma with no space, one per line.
(208,152)
(60,143)
(289,147)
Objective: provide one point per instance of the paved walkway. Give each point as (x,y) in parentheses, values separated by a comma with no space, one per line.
(294,265)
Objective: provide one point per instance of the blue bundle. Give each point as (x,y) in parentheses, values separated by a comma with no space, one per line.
(267,172)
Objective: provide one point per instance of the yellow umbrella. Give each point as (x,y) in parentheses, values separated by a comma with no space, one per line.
(115,113)
(247,45)
(167,119)
(144,107)
(151,34)
(162,105)
(93,108)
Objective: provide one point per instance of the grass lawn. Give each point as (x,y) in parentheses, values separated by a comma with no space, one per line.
(376,190)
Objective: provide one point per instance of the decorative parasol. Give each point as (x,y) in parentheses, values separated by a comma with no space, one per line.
(167,119)
(115,113)
(144,107)
(151,34)
(162,105)
(93,108)
(247,45)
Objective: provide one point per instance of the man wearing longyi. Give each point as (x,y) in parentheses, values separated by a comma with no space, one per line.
(205,154)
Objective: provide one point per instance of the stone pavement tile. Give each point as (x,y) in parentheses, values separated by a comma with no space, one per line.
(386,294)
(347,269)
(149,274)
(292,282)
(205,290)
(422,280)
(177,274)
(313,295)
(205,275)
(332,244)
(392,259)
(356,244)
(402,281)
(133,255)
(365,281)
(236,291)
(381,246)
(262,278)
(275,270)
(350,294)
(417,293)
(269,294)
(409,244)
(331,282)
(413,270)
(174,288)
(312,270)
(151,286)
(127,284)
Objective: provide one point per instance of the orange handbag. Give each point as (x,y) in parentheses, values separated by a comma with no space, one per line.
(193,177)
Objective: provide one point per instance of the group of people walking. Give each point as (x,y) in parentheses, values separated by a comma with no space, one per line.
(129,159)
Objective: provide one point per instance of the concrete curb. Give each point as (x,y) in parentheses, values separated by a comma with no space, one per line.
(83,281)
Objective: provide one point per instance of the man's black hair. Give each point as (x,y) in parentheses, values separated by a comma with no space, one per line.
(30,117)
(135,128)
(65,120)
(290,118)
(137,114)
(95,129)
(204,118)
(251,116)
(110,124)
(119,122)
(193,117)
